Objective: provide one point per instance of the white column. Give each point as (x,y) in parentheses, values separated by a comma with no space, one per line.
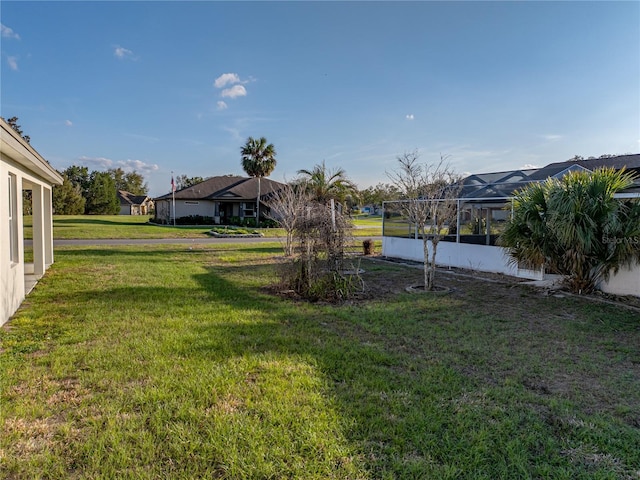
(37,202)
(48,227)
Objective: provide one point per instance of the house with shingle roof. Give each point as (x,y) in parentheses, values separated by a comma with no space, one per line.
(501,185)
(221,198)
(131,204)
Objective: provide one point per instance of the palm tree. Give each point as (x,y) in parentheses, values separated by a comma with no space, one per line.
(575,227)
(258,160)
(323,184)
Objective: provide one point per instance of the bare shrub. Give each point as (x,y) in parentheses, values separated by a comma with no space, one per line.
(319,268)
(286,207)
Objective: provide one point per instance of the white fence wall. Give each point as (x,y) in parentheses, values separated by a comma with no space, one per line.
(486,258)
(483,258)
(625,282)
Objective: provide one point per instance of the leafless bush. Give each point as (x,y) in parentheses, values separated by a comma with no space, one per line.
(286,207)
(317,238)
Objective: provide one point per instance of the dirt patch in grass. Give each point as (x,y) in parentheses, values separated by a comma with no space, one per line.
(386,282)
(386,278)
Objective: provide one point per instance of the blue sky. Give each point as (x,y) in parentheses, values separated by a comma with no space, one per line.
(179,86)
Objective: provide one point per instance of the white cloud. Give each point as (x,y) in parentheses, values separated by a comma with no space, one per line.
(123,53)
(226,79)
(8,32)
(551,138)
(234,92)
(410,116)
(235,87)
(102,163)
(13,63)
(528,166)
(68,123)
(138,166)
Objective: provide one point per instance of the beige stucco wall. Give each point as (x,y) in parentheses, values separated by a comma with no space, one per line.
(203,207)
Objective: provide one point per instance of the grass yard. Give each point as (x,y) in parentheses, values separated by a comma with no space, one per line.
(137,226)
(173,362)
(118,226)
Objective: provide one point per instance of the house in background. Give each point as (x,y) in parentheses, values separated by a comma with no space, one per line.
(221,198)
(22,168)
(131,204)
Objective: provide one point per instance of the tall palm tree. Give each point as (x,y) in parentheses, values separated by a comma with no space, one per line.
(258,160)
(324,184)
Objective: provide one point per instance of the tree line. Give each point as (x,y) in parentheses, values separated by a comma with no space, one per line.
(94,193)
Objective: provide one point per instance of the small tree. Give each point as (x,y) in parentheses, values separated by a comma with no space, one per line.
(575,227)
(324,184)
(430,193)
(132,182)
(321,235)
(79,176)
(317,238)
(287,206)
(376,195)
(67,198)
(182,181)
(102,198)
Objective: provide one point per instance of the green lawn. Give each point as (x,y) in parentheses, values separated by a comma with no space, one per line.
(137,226)
(118,226)
(175,362)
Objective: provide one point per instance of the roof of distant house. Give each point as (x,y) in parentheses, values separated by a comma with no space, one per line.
(498,185)
(128,198)
(226,188)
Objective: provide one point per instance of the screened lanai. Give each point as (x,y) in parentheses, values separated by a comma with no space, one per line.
(482,209)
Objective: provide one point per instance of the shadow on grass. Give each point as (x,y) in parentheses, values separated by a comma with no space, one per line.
(436,388)
(412,378)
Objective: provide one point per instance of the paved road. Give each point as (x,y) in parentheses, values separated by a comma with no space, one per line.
(166,241)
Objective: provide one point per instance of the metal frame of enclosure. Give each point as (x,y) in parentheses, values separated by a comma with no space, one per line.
(478,220)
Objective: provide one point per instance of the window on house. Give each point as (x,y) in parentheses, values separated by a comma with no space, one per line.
(249,209)
(13,220)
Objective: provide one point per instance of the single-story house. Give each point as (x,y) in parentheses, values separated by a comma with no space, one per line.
(22,168)
(131,204)
(481,211)
(221,198)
